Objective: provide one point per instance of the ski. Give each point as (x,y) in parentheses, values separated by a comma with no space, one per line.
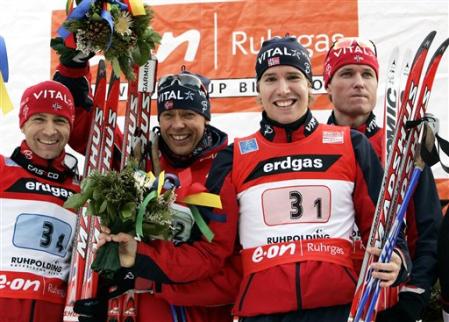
(406,65)
(135,142)
(390,103)
(91,162)
(393,95)
(392,174)
(90,280)
(399,202)
(146,85)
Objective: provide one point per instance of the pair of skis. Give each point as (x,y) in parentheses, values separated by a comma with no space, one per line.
(400,178)
(82,282)
(136,140)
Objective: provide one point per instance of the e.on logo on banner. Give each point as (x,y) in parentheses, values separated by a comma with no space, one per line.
(221,39)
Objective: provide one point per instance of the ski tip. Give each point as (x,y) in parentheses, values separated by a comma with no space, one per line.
(425,45)
(428,40)
(443,46)
(394,57)
(101,68)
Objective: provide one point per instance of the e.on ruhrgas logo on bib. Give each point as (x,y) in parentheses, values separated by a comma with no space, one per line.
(221,41)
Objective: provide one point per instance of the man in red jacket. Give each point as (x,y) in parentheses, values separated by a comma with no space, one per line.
(351,78)
(186,286)
(186,140)
(36,232)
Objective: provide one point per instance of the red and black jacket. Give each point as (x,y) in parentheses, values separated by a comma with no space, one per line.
(301,284)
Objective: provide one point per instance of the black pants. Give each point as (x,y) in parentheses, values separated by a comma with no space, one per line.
(325,314)
(443,259)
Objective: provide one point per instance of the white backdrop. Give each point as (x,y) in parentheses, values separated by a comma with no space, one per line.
(25,27)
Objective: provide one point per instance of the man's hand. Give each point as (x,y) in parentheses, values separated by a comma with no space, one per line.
(96,309)
(127,245)
(387,273)
(69,56)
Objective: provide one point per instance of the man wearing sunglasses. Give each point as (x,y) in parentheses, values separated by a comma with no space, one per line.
(191,279)
(186,139)
(351,74)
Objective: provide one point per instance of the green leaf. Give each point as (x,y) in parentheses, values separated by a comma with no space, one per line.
(87,186)
(116,66)
(128,211)
(103,207)
(97,195)
(96,17)
(75,201)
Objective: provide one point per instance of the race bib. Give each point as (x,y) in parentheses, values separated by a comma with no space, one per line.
(182,223)
(43,233)
(296,204)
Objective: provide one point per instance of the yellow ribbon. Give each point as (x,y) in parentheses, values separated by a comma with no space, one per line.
(137,8)
(151,175)
(160,183)
(5,101)
(204,199)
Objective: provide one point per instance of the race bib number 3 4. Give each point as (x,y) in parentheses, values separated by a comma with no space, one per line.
(298,204)
(42,233)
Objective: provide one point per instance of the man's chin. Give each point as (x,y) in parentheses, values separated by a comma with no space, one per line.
(48,155)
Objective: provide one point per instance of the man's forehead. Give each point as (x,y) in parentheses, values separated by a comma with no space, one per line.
(356,67)
(181,111)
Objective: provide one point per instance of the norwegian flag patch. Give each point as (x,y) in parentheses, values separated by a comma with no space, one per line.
(331,137)
(273,61)
(168,105)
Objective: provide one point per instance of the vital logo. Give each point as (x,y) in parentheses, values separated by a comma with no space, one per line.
(293,163)
(25,185)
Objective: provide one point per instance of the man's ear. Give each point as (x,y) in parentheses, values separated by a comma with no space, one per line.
(329,92)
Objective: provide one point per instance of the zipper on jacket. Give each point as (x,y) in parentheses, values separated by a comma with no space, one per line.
(246,291)
(288,132)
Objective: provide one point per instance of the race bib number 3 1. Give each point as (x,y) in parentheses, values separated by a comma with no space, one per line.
(42,233)
(299,204)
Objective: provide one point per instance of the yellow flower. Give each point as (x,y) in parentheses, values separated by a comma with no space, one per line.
(123,23)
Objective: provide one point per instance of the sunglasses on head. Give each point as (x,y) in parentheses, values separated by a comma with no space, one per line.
(186,80)
(348,42)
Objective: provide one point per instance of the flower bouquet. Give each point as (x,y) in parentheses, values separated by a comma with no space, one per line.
(129,201)
(142,205)
(120,30)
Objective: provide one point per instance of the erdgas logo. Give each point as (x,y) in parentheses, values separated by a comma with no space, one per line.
(293,163)
(29,185)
